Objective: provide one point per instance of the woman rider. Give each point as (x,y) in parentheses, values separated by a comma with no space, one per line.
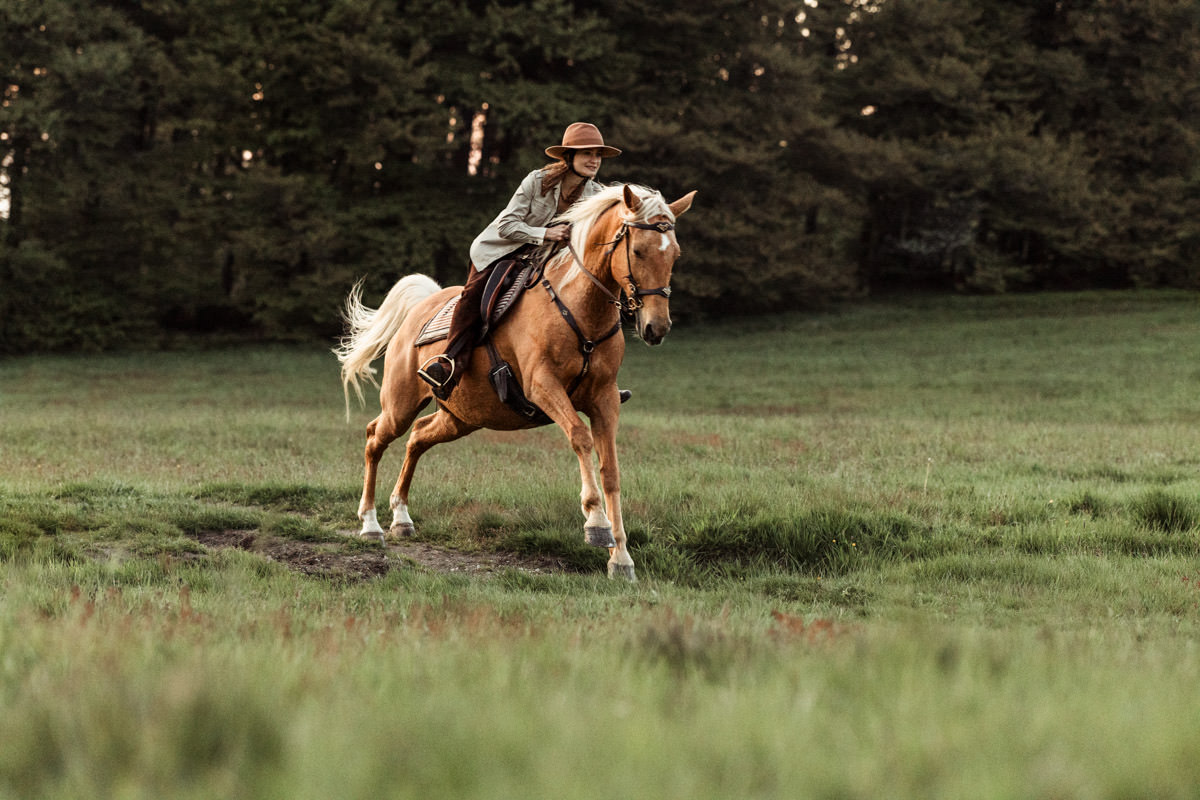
(521,226)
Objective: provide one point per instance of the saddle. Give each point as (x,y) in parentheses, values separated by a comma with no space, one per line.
(508,281)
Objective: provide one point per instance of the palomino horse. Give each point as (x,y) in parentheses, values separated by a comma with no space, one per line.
(561,339)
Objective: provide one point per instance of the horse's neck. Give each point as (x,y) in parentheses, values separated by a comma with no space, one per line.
(582,292)
(581,297)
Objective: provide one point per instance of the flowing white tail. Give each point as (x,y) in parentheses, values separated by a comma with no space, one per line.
(370,330)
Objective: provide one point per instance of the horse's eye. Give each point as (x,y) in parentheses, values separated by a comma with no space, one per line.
(637,252)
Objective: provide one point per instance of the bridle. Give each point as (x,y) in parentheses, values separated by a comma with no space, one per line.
(632,293)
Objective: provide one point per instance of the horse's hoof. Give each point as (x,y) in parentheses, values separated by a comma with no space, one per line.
(372,535)
(623,571)
(402,530)
(599,537)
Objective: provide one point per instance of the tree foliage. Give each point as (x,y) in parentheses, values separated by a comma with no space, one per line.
(173,166)
(1031,144)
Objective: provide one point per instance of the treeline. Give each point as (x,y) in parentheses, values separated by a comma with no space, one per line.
(177,166)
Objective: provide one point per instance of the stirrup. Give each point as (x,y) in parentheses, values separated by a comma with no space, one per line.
(437,382)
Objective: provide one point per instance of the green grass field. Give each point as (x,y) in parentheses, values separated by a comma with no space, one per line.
(926,548)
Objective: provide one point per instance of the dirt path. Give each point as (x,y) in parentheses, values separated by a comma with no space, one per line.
(329,559)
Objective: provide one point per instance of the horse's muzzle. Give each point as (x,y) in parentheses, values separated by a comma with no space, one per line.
(654,332)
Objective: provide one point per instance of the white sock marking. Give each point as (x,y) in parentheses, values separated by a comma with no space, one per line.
(400,515)
(370,524)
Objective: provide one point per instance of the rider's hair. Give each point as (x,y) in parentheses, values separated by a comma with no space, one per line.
(556,172)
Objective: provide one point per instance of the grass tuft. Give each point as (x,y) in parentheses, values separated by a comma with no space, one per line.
(294,498)
(1091,504)
(567,549)
(201,519)
(299,528)
(1166,512)
(828,541)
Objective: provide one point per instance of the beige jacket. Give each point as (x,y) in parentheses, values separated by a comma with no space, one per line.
(523,221)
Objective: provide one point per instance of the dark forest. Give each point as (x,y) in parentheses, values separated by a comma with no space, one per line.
(172,168)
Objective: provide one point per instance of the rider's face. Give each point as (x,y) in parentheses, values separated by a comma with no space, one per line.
(587,162)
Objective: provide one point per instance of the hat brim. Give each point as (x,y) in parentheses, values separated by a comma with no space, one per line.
(558,150)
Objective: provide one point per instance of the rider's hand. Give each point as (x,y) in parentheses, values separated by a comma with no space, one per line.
(558,233)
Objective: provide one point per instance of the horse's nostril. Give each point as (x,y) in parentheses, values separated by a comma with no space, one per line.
(654,333)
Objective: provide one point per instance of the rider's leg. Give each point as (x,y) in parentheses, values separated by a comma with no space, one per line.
(442,371)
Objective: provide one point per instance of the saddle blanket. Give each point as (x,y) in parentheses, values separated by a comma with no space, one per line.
(438,326)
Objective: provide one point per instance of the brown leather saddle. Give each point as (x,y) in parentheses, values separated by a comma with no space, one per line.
(508,281)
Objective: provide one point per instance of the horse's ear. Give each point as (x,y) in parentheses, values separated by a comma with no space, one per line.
(683,204)
(632,201)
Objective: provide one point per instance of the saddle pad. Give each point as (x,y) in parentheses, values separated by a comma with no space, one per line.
(438,326)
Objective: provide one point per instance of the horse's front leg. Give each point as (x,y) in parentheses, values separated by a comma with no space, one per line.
(604,434)
(597,528)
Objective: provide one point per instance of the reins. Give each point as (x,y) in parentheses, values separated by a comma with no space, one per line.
(612,298)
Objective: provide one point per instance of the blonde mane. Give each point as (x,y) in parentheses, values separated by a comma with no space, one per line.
(583,217)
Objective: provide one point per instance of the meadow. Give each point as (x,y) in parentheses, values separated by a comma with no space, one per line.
(914,548)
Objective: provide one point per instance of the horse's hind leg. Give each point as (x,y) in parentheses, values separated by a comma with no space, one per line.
(381,432)
(428,431)
(371,455)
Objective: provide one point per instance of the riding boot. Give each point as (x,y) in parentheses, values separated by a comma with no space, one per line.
(443,371)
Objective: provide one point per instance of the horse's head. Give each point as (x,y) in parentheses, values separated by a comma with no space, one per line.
(642,264)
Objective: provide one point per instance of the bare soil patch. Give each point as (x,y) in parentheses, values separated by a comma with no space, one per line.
(333,560)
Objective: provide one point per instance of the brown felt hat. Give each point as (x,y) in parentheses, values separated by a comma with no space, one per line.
(582,136)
